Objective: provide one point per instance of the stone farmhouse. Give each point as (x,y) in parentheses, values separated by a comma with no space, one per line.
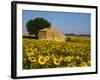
(51,34)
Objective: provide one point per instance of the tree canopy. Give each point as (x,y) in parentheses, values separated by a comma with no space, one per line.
(34,25)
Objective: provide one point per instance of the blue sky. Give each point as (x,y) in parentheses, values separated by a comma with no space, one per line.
(66,22)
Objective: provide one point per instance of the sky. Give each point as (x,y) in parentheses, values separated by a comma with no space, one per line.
(66,22)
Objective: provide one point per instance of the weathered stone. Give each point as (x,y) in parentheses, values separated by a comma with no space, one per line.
(51,34)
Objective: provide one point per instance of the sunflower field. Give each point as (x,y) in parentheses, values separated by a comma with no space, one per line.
(39,54)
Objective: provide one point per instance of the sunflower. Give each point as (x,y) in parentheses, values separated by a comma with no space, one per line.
(83,64)
(77,57)
(56,61)
(30,53)
(29,58)
(42,60)
(68,58)
(60,58)
(47,58)
(35,49)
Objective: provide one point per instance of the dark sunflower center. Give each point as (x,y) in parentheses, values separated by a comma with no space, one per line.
(42,60)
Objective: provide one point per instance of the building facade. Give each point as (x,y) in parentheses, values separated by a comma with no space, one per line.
(51,34)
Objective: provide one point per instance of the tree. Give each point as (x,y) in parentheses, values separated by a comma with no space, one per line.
(33,26)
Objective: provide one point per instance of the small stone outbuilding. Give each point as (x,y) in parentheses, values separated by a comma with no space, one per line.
(51,34)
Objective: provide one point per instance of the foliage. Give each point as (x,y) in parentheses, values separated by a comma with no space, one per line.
(51,54)
(33,26)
